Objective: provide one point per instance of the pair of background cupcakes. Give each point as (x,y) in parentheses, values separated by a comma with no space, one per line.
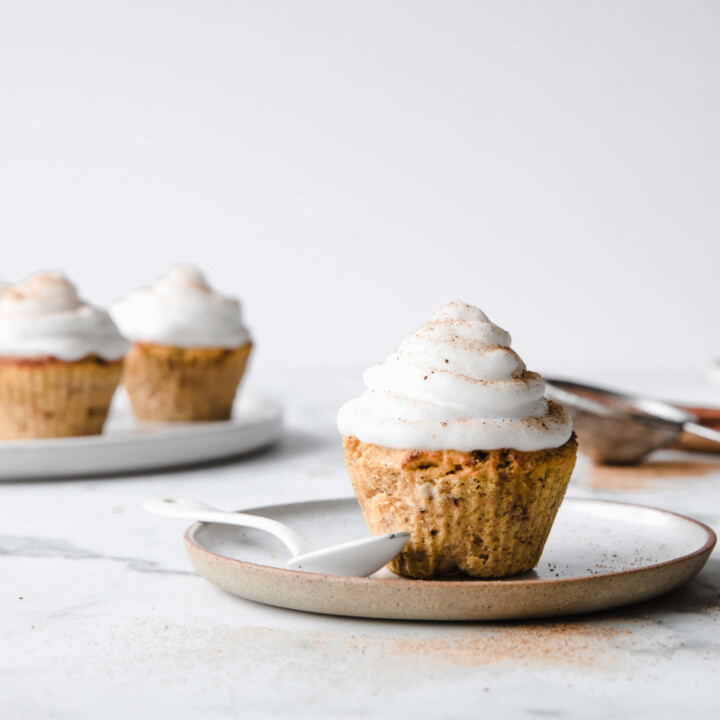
(61,359)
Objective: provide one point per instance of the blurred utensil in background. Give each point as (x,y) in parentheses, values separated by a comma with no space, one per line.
(616,428)
(707,417)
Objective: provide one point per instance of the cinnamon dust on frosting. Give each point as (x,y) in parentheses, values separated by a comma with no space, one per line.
(455,384)
(43,317)
(182,310)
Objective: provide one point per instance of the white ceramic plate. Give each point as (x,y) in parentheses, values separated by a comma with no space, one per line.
(128,445)
(599,555)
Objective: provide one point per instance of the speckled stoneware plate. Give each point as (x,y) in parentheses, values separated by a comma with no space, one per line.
(127,445)
(599,555)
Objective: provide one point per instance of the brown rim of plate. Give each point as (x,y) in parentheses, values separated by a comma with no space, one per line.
(706,548)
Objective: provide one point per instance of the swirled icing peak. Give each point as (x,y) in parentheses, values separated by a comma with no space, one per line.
(181,310)
(42,316)
(455,384)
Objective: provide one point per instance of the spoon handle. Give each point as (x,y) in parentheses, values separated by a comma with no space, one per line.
(190,510)
(702,431)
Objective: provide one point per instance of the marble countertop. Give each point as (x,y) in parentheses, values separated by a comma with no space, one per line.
(103,616)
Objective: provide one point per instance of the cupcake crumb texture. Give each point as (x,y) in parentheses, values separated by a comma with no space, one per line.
(482,513)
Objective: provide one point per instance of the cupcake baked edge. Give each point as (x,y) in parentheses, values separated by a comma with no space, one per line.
(52,398)
(176,384)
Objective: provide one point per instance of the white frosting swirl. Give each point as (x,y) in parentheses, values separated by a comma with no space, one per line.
(43,317)
(455,384)
(181,310)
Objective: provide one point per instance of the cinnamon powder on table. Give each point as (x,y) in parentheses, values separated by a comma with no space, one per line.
(645,476)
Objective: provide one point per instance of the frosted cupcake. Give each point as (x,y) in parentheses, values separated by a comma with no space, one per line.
(454,442)
(60,360)
(190,348)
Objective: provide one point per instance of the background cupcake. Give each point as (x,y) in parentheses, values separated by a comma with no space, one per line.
(190,348)
(454,442)
(60,360)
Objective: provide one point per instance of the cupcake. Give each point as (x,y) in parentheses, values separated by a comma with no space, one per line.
(60,360)
(454,442)
(189,348)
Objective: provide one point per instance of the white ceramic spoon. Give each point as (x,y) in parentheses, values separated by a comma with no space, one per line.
(357,558)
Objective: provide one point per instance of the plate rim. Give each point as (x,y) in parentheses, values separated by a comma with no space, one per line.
(706,548)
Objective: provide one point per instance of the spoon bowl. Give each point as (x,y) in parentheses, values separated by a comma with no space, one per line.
(357,558)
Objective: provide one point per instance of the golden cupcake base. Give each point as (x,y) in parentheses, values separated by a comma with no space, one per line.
(51,398)
(485,513)
(174,384)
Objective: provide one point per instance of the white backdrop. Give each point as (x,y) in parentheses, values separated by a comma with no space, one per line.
(348,167)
